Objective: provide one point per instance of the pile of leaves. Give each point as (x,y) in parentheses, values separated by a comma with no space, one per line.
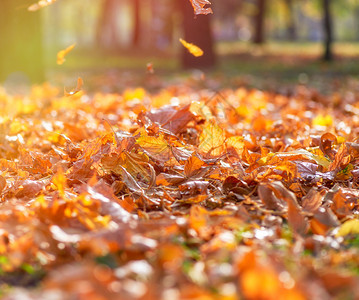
(180,194)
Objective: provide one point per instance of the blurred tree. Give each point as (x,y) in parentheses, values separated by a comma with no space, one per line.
(328,30)
(197,30)
(136,23)
(21,50)
(106,35)
(259,18)
(291,26)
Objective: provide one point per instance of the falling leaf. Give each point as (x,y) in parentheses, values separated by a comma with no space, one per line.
(149,68)
(61,54)
(40,4)
(199,7)
(193,49)
(77,89)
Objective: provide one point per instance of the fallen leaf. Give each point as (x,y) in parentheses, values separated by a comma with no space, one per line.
(349,227)
(155,147)
(212,139)
(192,166)
(296,219)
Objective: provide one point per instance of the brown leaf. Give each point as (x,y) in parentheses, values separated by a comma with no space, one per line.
(199,7)
(323,220)
(327,141)
(269,199)
(296,219)
(30,188)
(313,200)
(172,118)
(341,159)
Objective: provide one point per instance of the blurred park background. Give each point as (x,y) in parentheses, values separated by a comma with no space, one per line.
(259,43)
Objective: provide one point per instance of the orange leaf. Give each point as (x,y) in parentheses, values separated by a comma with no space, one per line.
(198,220)
(193,49)
(149,67)
(61,54)
(59,180)
(78,88)
(192,166)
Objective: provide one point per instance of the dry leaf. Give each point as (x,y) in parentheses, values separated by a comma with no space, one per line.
(212,139)
(199,7)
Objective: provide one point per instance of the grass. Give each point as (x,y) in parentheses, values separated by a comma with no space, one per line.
(272,66)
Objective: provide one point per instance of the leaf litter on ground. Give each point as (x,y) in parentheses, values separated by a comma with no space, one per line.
(206,199)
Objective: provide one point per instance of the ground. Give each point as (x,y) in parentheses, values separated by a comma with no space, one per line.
(229,192)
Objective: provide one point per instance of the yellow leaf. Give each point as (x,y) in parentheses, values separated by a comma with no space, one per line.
(237,143)
(212,139)
(201,109)
(349,227)
(323,120)
(59,180)
(61,54)
(193,49)
(134,94)
(155,147)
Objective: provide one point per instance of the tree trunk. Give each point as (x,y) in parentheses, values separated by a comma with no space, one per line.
(197,30)
(356,22)
(106,35)
(328,30)
(21,49)
(291,28)
(259,19)
(136,23)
